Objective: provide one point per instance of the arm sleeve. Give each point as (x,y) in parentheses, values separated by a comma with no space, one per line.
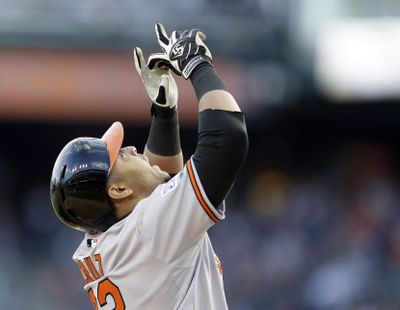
(163,138)
(221,150)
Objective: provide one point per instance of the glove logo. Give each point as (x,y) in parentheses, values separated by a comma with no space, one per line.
(177,50)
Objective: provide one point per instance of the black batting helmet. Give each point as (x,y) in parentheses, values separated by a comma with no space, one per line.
(78,186)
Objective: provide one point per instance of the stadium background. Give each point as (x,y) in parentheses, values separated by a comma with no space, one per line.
(313,221)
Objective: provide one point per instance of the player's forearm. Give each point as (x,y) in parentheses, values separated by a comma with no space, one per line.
(210,91)
(171,164)
(218,100)
(163,146)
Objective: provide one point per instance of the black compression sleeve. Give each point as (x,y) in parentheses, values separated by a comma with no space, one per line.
(221,150)
(204,79)
(163,137)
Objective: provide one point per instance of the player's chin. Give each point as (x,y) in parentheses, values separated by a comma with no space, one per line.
(163,174)
(167,177)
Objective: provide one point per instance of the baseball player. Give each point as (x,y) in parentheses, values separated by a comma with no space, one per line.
(146,217)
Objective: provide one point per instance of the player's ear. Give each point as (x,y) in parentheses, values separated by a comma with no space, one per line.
(119,190)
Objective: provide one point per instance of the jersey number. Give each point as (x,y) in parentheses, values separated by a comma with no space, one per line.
(106,288)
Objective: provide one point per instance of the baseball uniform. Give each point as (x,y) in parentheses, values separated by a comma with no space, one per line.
(160,255)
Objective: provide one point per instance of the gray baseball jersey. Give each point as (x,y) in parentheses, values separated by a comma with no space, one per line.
(160,255)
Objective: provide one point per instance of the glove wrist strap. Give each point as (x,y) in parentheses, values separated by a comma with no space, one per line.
(193,63)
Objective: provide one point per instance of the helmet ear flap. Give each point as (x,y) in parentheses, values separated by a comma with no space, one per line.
(78,186)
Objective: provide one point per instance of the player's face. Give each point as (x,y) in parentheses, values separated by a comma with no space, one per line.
(135,169)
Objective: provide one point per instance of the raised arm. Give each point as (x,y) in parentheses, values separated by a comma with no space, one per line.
(163,146)
(222,136)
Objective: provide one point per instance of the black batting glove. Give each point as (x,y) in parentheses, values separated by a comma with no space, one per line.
(183,51)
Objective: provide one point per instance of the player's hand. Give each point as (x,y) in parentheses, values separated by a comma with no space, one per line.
(184,50)
(158,81)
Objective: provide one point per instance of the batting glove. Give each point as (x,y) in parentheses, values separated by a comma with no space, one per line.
(184,51)
(158,81)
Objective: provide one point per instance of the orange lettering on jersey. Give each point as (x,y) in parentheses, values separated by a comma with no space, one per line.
(97,257)
(93,299)
(89,270)
(85,273)
(92,268)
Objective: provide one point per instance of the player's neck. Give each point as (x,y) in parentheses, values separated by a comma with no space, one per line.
(122,208)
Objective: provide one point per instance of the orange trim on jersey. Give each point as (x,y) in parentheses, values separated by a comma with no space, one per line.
(198,193)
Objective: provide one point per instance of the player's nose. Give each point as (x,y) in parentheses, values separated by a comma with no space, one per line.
(130,150)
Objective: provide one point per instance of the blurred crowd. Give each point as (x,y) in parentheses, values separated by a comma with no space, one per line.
(323,235)
(318,229)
